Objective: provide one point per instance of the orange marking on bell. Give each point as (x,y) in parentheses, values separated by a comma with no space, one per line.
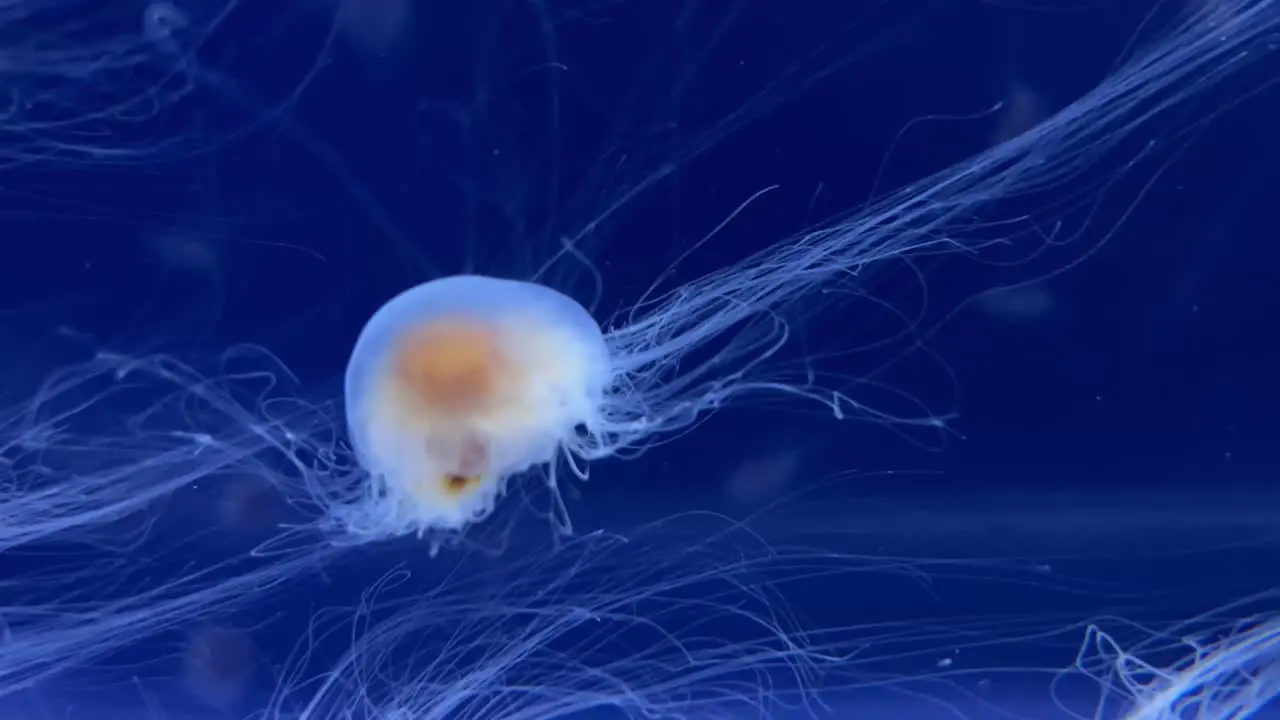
(451,366)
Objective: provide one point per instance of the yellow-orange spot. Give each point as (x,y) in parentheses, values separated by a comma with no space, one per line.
(455,485)
(453,367)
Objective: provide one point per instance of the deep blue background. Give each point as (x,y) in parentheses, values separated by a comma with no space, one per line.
(315,175)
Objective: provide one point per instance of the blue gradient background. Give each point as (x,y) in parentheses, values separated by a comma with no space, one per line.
(1122,438)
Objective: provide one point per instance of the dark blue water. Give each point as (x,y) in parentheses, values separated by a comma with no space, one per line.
(1058,427)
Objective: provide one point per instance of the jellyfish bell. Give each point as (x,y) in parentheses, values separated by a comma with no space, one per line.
(459,384)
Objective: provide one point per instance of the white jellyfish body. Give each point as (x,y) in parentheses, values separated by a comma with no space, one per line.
(458,384)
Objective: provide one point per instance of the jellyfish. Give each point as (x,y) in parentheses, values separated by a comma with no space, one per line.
(459,384)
